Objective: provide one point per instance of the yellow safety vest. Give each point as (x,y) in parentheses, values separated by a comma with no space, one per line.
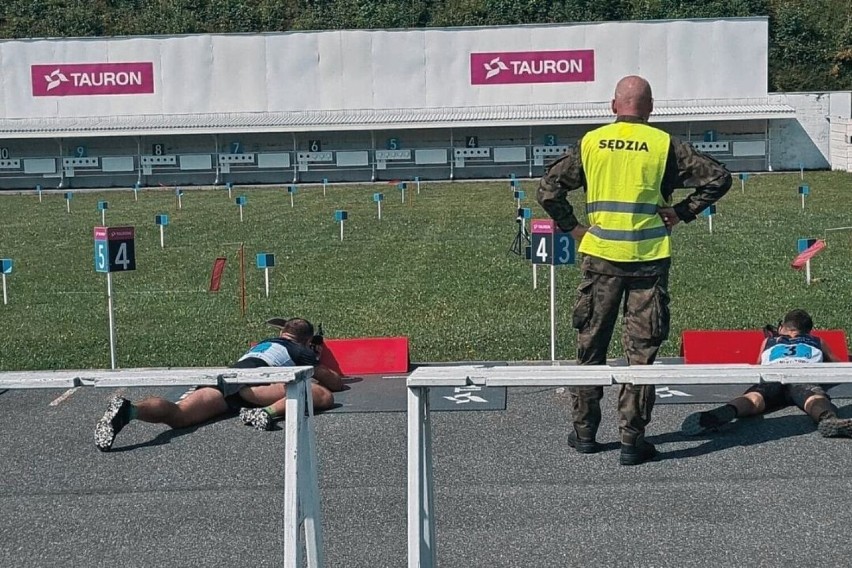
(624,163)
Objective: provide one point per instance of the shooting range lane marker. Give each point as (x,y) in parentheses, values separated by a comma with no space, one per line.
(340,215)
(803,191)
(136,191)
(324,185)
(551,246)
(162,220)
(38,190)
(229,186)
(291,189)
(102,207)
(417,181)
(710,212)
(402,186)
(115,250)
(179,195)
(68,196)
(378,198)
(64,396)
(5,268)
(241,201)
(265,261)
(743,177)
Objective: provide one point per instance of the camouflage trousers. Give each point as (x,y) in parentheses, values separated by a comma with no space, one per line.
(644,301)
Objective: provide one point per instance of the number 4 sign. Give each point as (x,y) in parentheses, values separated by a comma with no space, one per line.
(115,249)
(550,245)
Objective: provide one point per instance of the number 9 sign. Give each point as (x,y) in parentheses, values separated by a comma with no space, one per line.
(115,249)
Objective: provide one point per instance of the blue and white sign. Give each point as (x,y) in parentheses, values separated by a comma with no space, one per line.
(265,260)
(102,205)
(115,249)
(709,211)
(161,219)
(241,200)
(744,176)
(804,244)
(394,144)
(524,213)
(68,196)
(378,197)
(804,190)
(340,215)
(518,194)
(6,265)
(291,189)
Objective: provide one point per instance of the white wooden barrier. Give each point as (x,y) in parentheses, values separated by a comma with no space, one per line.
(421,504)
(301,485)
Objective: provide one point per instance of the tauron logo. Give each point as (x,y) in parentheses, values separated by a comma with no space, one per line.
(494,67)
(74,79)
(55,79)
(532,67)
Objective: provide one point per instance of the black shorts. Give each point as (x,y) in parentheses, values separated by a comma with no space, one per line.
(231,391)
(777,395)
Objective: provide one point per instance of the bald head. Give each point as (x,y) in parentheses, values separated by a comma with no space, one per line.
(633,97)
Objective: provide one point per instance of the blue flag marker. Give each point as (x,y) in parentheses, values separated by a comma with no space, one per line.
(709,213)
(5,268)
(511,176)
(803,191)
(162,220)
(402,186)
(241,201)
(265,261)
(291,189)
(68,196)
(229,186)
(743,178)
(378,198)
(136,187)
(102,207)
(324,185)
(340,215)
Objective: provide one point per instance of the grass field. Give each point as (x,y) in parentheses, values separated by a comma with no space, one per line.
(436,269)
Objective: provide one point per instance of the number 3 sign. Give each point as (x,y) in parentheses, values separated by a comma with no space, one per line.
(550,245)
(115,250)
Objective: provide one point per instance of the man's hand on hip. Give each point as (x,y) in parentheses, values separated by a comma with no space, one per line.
(669,217)
(579,232)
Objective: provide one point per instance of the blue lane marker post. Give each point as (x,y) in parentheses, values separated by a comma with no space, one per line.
(229,186)
(324,185)
(136,191)
(265,260)
(518,195)
(743,179)
(5,268)
(803,191)
(417,181)
(340,216)
(802,245)
(102,207)
(378,198)
(241,201)
(402,187)
(68,196)
(709,213)
(162,220)
(291,189)
(38,190)
(179,196)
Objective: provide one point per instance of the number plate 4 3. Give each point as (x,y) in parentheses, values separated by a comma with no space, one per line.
(553,248)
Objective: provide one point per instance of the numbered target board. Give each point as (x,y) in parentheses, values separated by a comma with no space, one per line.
(550,245)
(115,250)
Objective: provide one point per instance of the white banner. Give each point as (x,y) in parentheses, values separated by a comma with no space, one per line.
(380,69)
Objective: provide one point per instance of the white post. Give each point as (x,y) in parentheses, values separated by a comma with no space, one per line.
(5,299)
(39,195)
(418,185)
(291,199)
(135,193)
(309,490)
(808,272)
(742,184)
(103,216)
(162,239)
(518,205)
(180,203)
(266,280)
(802,171)
(111,322)
(292,518)
(241,213)
(552,312)
(403,195)
(380,209)
(229,192)
(421,515)
(341,229)
(324,183)
(803,202)
(710,221)
(68,205)
(535,276)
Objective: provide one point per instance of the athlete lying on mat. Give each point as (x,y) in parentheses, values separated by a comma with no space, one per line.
(258,405)
(792,343)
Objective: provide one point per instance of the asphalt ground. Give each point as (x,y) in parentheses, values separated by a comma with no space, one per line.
(509,491)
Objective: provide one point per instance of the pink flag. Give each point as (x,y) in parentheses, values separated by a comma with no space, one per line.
(810,252)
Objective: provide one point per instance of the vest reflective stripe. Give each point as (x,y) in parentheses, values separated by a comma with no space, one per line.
(640,235)
(624,163)
(621,207)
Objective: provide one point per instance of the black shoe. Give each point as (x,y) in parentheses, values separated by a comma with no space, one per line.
(637,453)
(581,445)
(834,427)
(710,421)
(116,417)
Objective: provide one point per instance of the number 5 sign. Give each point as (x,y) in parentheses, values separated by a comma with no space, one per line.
(115,250)
(550,245)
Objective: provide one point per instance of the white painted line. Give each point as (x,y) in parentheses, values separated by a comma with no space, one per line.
(64,396)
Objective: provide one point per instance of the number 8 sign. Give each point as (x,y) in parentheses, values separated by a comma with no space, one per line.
(550,245)
(115,249)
